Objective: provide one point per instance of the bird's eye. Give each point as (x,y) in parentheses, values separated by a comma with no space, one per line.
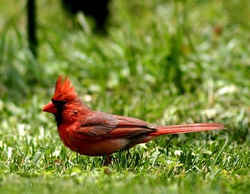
(58,102)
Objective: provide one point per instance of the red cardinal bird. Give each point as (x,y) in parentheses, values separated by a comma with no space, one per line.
(95,133)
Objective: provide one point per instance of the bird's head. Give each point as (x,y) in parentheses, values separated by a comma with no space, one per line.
(64,93)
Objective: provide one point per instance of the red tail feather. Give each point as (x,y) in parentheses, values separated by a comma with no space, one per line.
(188,128)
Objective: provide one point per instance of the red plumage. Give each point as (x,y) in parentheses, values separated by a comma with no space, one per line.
(101,134)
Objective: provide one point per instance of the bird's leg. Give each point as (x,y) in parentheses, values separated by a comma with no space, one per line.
(128,154)
(108,160)
(129,157)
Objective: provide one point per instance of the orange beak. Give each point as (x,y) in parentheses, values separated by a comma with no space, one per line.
(50,107)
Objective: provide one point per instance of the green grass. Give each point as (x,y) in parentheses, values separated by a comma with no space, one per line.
(167,62)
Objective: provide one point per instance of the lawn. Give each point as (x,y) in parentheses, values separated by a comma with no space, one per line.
(163,61)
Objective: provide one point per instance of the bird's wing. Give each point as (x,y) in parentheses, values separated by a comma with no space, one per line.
(99,124)
(131,127)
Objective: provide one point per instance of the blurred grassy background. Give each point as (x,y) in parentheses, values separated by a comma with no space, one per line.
(163,61)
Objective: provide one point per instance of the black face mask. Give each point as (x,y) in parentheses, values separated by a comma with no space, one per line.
(59,104)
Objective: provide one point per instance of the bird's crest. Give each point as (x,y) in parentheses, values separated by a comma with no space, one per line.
(64,91)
